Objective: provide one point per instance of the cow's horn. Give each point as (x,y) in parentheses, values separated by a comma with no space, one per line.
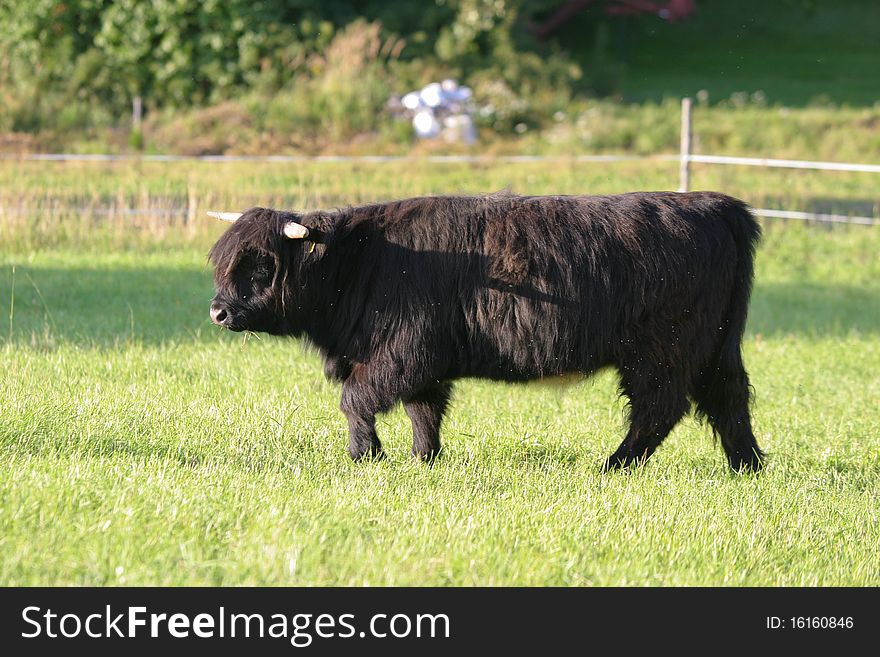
(295,231)
(225,216)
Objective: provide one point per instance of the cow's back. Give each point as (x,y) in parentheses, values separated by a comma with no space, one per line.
(515,288)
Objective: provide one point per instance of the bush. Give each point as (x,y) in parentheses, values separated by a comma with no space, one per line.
(336,94)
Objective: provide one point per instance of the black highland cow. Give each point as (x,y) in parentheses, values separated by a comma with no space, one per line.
(403,298)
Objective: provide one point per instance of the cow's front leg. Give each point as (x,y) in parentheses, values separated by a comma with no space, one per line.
(362,439)
(425,410)
(362,399)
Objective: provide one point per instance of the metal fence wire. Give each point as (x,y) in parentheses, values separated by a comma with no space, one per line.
(685,158)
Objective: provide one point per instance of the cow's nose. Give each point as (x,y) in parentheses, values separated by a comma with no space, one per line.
(218,313)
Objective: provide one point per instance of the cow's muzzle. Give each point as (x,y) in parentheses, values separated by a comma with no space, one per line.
(219,314)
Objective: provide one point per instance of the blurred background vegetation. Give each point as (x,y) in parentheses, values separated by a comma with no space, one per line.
(792,77)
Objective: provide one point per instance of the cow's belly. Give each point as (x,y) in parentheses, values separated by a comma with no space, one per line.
(552,370)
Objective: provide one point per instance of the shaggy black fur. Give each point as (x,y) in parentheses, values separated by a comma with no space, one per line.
(402,298)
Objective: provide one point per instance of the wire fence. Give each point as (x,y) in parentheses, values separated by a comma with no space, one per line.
(685,158)
(364,159)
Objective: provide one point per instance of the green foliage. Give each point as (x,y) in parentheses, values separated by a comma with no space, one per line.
(186,53)
(175,53)
(136,140)
(348,84)
(70,68)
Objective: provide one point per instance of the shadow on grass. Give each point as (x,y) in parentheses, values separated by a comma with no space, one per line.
(813,310)
(109,307)
(106,307)
(863,207)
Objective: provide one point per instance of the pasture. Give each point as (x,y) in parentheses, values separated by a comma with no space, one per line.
(139,445)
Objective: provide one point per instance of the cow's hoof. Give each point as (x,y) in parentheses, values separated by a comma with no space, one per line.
(616,462)
(748,463)
(368,455)
(625,458)
(429,458)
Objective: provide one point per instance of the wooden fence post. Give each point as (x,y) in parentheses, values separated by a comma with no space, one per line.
(137,113)
(684,165)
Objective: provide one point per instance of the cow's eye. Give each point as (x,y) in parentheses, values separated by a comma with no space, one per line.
(254,274)
(261,276)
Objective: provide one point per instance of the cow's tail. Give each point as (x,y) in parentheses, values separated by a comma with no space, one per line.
(746,233)
(722,391)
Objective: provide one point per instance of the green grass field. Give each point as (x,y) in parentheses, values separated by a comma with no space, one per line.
(140,446)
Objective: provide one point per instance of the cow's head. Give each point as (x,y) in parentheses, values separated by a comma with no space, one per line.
(254,264)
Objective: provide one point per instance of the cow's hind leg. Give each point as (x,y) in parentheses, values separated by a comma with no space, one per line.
(425,410)
(722,396)
(657,401)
